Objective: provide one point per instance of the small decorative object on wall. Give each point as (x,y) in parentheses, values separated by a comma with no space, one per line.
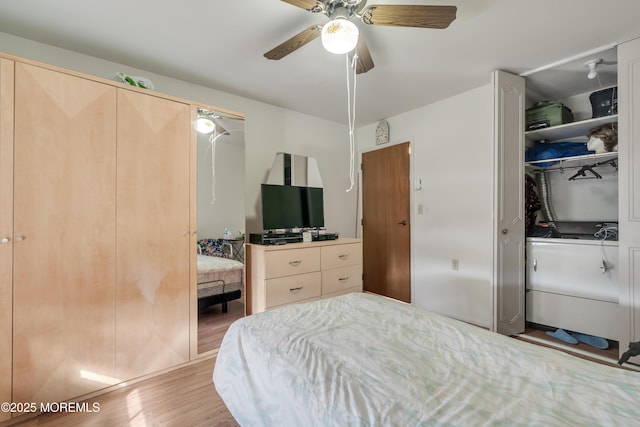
(382,132)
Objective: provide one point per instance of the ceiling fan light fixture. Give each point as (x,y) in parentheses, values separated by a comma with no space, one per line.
(340,35)
(205,125)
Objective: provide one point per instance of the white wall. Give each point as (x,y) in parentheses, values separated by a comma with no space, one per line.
(585,199)
(302,134)
(227,211)
(268,130)
(452,153)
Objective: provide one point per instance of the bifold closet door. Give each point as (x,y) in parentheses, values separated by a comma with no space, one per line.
(152,290)
(509,237)
(629,192)
(64,235)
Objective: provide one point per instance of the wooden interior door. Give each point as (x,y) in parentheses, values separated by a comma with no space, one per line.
(6,231)
(153,213)
(386,236)
(64,235)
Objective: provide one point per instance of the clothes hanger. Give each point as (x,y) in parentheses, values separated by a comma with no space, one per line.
(582,172)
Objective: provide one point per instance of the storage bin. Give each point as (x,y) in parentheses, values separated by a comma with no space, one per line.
(604,102)
(545,114)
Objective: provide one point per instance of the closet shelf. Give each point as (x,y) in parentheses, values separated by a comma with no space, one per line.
(569,130)
(574,161)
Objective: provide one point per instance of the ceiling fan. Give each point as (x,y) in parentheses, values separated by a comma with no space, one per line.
(340,12)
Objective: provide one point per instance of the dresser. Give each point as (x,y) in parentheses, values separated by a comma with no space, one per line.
(278,275)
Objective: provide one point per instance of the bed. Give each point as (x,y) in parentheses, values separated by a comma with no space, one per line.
(220,279)
(361,359)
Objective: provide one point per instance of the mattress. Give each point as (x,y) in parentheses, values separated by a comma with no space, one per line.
(218,275)
(361,359)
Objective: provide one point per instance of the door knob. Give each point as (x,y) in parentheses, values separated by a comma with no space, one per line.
(403,222)
(5,240)
(19,238)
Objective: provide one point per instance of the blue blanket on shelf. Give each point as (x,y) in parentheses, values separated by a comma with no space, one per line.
(555,150)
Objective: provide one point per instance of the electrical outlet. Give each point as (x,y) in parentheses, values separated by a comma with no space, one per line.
(420,209)
(455,264)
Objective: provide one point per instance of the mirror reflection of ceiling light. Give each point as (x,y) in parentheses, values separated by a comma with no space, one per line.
(339,35)
(205,125)
(593,73)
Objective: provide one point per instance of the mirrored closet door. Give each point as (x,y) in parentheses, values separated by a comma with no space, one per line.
(221,224)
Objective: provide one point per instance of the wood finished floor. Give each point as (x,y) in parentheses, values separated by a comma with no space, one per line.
(185,397)
(213,323)
(609,353)
(607,356)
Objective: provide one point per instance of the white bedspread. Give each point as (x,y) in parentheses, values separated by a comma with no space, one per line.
(365,360)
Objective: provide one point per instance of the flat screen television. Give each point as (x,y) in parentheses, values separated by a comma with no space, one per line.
(289,206)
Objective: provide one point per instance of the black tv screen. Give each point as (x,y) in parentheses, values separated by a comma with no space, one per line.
(312,207)
(288,206)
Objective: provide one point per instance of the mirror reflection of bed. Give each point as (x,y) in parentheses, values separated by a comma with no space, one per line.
(221,224)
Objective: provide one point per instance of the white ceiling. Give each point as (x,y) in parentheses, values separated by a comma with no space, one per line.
(220,44)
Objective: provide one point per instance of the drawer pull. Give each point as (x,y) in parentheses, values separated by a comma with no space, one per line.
(343,256)
(5,240)
(342,279)
(295,263)
(295,290)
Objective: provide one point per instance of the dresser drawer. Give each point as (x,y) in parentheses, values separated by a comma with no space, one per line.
(338,279)
(599,318)
(341,255)
(290,289)
(289,262)
(584,270)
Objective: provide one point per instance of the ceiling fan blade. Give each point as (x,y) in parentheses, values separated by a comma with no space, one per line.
(294,43)
(409,16)
(364,62)
(305,4)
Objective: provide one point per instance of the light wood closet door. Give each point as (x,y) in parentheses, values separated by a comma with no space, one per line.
(6,231)
(64,235)
(153,234)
